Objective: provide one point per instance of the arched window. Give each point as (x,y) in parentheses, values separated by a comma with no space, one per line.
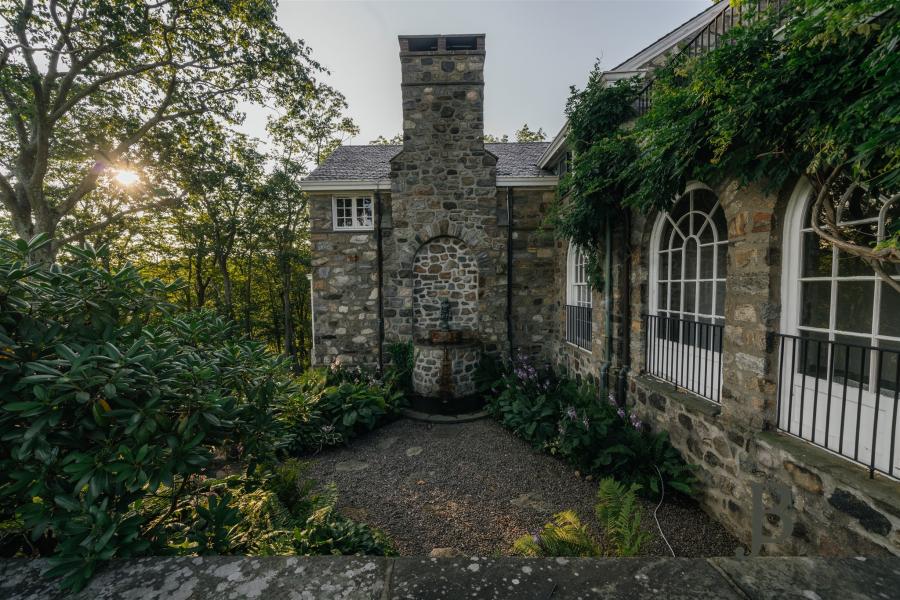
(578,299)
(839,350)
(687,293)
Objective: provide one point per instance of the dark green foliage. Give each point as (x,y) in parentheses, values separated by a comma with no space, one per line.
(564,418)
(619,515)
(113,405)
(336,404)
(398,375)
(327,532)
(804,92)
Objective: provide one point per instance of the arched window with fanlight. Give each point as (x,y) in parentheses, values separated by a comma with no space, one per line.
(578,299)
(687,293)
(840,343)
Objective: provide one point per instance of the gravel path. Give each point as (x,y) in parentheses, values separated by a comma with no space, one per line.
(475,488)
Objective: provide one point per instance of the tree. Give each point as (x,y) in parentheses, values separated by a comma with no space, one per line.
(90,86)
(527,135)
(383,141)
(490,138)
(744,111)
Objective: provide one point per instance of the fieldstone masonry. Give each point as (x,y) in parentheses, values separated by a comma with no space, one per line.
(444,270)
(443,185)
(445,369)
(445,228)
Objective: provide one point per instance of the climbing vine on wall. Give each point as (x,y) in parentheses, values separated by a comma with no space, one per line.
(813,90)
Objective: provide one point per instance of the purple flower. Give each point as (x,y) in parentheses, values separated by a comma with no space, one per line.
(570,412)
(612,401)
(636,421)
(621,412)
(585,422)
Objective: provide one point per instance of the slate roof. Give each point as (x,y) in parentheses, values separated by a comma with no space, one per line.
(372,162)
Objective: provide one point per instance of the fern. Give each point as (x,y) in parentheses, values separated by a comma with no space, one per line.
(620,516)
(564,536)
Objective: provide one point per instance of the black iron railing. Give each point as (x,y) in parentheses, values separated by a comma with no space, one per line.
(842,397)
(578,326)
(711,37)
(685,352)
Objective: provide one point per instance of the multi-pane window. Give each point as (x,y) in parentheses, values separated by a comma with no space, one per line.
(839,377)
(579,289)
(687,294)
(353,212)
(578,299)
(690,274)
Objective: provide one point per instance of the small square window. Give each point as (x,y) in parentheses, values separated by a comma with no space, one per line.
(353,213)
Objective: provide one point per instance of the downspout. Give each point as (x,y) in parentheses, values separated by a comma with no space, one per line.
(509,270)
(607,299)
(625,366)
(379,258)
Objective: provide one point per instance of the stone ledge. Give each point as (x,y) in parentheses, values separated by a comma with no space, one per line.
(690,402)
(884,492)
(376,578)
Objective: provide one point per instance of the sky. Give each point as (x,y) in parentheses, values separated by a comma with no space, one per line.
(536,50)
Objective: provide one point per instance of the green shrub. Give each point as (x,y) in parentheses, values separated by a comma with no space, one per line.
(334,405)
(327,532)
(398,376)
(564,536)
(567,419)
(619,515)
(108,396)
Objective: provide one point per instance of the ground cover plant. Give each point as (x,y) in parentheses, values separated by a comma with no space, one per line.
(618,516)
(559,415)
(116,406)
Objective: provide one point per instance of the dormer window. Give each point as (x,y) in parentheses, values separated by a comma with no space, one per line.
(353,213)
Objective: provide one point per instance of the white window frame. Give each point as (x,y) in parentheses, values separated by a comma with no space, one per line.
(813,387)
(357,203)
(694,370)
(578,289)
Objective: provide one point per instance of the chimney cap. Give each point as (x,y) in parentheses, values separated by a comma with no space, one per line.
(442,43)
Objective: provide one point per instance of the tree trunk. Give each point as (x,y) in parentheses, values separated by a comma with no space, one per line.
(222,261)
(290,347)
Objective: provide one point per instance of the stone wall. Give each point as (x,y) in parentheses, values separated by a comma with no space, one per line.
(443,183)
(734,444)
(446,369)
(444,269)
(533,272)
(345,289)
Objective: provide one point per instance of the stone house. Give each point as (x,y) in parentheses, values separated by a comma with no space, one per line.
(771,360)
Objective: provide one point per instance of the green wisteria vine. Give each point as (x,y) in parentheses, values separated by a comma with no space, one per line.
(812,91)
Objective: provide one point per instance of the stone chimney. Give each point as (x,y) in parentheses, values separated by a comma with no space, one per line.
(442,77)
(444,240)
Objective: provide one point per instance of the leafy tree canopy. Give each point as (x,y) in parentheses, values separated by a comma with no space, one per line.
(91,85)
(814,91)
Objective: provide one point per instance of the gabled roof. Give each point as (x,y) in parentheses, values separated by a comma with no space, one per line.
(650,55)
(372,162)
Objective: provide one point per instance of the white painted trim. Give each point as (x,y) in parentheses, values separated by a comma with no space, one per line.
(355,198)
(559,141)
(653,280)
(349,185)
(791,253)
(663,44)
(345,185)
(542,181)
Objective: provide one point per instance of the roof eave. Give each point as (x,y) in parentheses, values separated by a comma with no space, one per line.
(554,148)
(345,185)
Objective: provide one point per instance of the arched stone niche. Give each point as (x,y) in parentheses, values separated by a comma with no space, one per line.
(444,268)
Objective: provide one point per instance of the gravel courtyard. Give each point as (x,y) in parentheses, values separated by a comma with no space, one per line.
(473,488)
